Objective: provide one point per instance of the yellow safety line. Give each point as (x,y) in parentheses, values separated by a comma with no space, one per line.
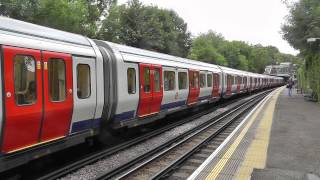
(256,154)
(32,145)
(222,162)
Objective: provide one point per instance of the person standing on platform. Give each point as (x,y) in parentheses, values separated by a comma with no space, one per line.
(290,86)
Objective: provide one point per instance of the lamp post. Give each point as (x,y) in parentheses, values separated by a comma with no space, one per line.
(314,43)
(312,40)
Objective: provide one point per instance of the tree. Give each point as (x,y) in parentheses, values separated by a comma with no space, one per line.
(205,48)
(303,23)
(147,27)
(77,16)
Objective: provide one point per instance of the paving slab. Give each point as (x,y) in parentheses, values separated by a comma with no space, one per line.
(294,147)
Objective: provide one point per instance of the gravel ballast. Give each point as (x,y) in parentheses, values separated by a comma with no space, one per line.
(107,164)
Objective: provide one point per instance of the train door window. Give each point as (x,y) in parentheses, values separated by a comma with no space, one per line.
(24,80)
(216,80)
(169,80)
(131,78)
(182,78)
(83,81)
(202,80)
(146,78)
(57,79)
(209,80)
(195,80)
(157,80)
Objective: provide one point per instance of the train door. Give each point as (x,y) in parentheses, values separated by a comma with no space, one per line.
(23,98)
(157,92)
(229,84)
(183,87)
(245,81)
(84,81)
(57,91)
(150,89)
(194,87)
(238,83)
(216,79)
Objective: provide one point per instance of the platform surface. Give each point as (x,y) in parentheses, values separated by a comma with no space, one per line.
(279,140)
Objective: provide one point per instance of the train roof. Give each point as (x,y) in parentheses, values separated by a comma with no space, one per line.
(128,53)
(15,26)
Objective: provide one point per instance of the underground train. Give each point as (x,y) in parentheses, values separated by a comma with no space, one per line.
(59,88)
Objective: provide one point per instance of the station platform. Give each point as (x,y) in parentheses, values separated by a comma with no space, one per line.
(278,139)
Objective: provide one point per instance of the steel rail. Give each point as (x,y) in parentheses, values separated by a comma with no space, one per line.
(96,156)
(171,167)
(180,139)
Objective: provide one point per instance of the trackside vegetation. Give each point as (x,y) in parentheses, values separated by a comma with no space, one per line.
(303,23)
(143,26)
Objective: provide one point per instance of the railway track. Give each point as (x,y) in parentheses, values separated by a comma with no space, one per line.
(92,158)
(96,156)
(160,162)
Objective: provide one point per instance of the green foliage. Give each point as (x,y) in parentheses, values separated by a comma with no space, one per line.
(205,48)
(213,48)
(304,23)
(147,27)
(77,16)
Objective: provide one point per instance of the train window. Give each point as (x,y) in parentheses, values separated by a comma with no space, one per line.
(25,90)
(57,79)
(239,80)
(131,79)
(169,80)
(157,80)
(202,80)
(209,80)
(182,77)
(146,78)
(83,81)
(216,80)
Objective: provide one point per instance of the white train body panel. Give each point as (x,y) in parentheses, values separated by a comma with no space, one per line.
(205,92)
(84,108)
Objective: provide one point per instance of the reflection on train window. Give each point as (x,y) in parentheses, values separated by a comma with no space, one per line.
(245,81)
(202,80)
(146,79)
(57,79)
(239,79)
(209,80)
(182,78)
(216,80)
(83,81)
(195,83)
(229,80)
(131,76)
(157,80)
(25,87)
(169,80)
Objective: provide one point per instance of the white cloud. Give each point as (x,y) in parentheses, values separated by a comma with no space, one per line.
(252,21)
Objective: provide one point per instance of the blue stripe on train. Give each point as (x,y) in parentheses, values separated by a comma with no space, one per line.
(85,124)
(124,116)
(173,105)
(203,98)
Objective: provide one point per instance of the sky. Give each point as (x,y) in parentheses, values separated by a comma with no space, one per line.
(252,21)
